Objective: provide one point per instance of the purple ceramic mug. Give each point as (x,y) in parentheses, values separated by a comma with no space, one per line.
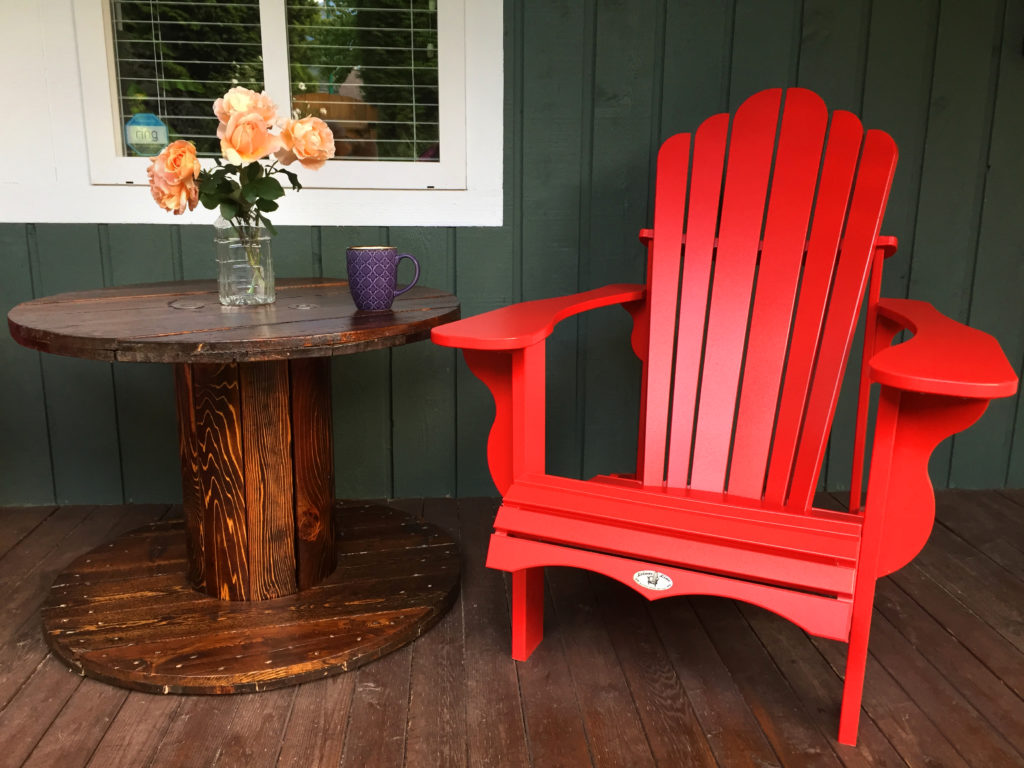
(373,275)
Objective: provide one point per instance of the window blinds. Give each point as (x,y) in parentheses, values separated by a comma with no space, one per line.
(369,70)
(173,58)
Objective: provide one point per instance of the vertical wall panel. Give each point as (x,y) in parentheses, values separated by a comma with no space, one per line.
(27,476)
(695,64)
(487,269)
(360,390)
(293,247)
(1015,470)
(198,261)
(765,47)
(617,185)
(979,455)
(147,429)
(556,63)
(423,379)
(81,411)
(953,172)
(897,87)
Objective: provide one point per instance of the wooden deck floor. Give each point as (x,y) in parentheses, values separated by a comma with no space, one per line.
(617,681)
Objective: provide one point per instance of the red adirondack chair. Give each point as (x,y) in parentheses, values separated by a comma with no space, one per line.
(744,327)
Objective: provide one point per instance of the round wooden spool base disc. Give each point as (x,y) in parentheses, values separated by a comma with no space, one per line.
(125,613)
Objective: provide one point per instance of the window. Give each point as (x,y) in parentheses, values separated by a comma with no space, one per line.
(389,76)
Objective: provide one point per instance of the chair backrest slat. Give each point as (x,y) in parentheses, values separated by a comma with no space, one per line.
(701,231)
(748,169)
(663,282)
(750,334)
(797,163)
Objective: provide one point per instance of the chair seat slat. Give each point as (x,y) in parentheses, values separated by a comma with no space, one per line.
(825,538)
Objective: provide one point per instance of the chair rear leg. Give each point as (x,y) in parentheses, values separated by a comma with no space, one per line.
(856,662)
(527,611)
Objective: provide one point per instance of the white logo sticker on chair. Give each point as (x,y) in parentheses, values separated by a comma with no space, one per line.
(653,580)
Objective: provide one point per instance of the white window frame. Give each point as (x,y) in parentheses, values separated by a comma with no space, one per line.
(52,181)
(105,131)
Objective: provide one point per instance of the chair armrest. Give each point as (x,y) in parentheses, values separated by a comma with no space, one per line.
(943,357)
(521,325)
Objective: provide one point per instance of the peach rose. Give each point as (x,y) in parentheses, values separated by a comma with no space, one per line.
(239,101)
(308,140)
(172,177)
(246,138)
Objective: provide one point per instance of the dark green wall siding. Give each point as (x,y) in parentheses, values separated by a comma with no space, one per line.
(592,89)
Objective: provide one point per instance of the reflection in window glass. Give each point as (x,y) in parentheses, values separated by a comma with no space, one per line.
(174,58)
(370,71)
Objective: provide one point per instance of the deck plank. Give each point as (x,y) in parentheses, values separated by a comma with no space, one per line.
(729,726)
(315,734)
(437,690)
(995,651)
(256,732)
(669,720)
(496,735)
(134,734)
(817,686)
(67,744)
(197,732)
(781,714)
(17,522)
(974,579)
(895,712)
(981,519)
(550,704)
(911,666)
(614,732)
(976,683)
(379,713)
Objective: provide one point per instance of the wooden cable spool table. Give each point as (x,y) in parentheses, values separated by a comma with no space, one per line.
(267,582)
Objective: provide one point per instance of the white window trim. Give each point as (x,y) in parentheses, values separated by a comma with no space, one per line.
(56,185)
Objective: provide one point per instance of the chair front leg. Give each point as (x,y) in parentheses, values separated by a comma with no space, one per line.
(527,611)
(898,514)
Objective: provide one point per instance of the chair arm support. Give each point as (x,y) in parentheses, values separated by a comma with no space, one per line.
(900,508)
(943,357)
(521,325)
(934,385)
(505,350)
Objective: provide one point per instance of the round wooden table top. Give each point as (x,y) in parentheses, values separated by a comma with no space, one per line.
(183,322)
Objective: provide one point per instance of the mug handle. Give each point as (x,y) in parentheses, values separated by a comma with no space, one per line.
(415,278)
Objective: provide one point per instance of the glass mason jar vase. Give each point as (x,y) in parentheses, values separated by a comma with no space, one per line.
(245,266)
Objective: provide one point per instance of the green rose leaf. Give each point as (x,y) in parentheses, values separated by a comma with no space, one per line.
(228,209)
(207,185)
(251,172)
(266,187)
(266,205)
